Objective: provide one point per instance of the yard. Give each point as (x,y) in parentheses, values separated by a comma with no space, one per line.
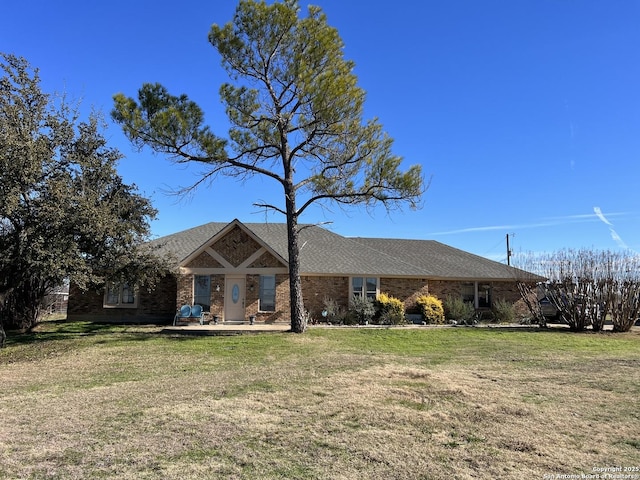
(80,400)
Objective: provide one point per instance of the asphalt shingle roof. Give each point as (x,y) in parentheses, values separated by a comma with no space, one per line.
(325,252)
(437,260)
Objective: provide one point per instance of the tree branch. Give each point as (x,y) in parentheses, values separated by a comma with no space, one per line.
(271,207)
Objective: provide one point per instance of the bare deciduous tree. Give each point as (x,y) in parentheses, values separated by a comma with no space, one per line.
(586,287)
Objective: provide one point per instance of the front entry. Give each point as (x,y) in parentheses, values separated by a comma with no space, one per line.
(234,298)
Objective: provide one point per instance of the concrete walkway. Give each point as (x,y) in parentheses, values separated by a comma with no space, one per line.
(227,329)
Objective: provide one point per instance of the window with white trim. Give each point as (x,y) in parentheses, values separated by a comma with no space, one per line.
(120,295)
(267,293)
(364,287)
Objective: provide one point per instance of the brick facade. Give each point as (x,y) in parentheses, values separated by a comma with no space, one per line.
(316,289)
(156,306)
(499,291)
(204,260)
(236,246)
(160,305)
(282,309)
(406,289)
(266,260)
(237,253)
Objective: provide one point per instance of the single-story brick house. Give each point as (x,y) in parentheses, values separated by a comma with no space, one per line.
(237,270)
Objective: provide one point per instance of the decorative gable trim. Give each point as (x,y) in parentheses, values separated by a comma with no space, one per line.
(218,257)
(244,266)
(253,257)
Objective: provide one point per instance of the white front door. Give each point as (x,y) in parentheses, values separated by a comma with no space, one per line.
(234,290)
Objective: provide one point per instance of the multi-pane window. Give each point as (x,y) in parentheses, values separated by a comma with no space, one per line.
(364,287)
(120,295)
(202,291)
(469,293)
(267,293)
(478,296)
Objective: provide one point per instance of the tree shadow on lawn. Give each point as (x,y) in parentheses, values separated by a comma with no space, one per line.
(52,330)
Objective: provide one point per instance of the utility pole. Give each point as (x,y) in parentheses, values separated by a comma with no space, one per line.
(508,251)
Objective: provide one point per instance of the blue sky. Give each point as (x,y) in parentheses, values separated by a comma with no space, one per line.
(525,114)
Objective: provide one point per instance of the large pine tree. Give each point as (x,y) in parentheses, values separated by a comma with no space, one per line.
(296,117)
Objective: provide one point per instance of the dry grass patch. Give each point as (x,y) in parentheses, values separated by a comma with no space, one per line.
(320,406)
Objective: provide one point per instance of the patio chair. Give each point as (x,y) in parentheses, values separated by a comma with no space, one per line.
(196,312)
(184,312)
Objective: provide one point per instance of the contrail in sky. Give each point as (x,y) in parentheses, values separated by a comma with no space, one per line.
(547,222)
(601,216)
(614,234)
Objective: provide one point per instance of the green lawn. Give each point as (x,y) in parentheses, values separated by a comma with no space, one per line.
(81,400)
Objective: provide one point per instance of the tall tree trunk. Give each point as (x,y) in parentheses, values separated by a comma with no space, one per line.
(298,316)
(3,335)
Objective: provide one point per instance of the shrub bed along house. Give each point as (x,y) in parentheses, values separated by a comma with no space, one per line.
(389,310)
(503,311)
(457,309)
(431,309)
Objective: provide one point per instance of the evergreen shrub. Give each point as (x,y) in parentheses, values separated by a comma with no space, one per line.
(503,311)
(457,309)
(361,310)
(390,310)
(431,309)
